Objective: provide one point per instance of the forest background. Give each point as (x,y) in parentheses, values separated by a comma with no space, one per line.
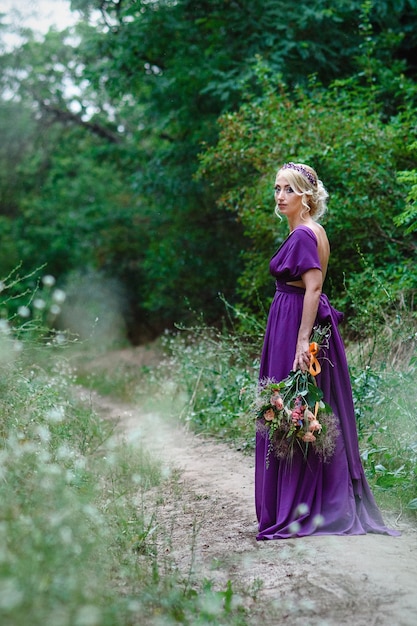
(138,154)
(139,149)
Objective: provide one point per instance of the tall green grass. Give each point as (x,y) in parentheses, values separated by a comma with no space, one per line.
(385,401)
(210,377)
(80,533)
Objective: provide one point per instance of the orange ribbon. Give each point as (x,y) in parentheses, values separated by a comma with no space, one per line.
(315,367)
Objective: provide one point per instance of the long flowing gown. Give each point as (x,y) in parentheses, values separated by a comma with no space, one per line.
(308,496)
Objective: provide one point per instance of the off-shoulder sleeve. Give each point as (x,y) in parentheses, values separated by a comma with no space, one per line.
(297,255)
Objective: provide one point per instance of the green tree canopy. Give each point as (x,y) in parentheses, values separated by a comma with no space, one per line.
(111,117)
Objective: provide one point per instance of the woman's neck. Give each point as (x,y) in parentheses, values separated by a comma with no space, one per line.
(299,222)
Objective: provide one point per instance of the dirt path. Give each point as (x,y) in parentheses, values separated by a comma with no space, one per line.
(367,580)
(317,581)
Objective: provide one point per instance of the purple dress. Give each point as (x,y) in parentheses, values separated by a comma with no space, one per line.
(309,496)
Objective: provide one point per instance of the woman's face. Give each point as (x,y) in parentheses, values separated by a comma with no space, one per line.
(289,203)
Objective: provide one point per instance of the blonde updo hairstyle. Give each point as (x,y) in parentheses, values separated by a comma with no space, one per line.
(305,182)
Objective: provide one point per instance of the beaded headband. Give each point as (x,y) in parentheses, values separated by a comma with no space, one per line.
(302,170)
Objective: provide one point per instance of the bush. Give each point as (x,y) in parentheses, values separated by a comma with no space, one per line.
(357,151)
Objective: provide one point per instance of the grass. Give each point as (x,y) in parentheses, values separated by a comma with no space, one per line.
(385,400)
(211,377)
(79,525)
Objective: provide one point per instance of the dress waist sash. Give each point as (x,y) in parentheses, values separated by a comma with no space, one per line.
(326,313)
(283,287)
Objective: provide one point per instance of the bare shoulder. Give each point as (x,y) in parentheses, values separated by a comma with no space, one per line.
(321,235)
(323,245)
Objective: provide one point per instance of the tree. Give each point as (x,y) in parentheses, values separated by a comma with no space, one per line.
(199,66)
(357,154)
(148,81)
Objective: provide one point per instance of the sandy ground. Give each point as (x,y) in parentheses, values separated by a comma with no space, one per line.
(317,581)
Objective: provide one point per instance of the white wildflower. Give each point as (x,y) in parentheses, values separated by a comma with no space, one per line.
(294,528)
(23,311)
(56,414)
(4,327)
(59,296)
(302,509)
(39,304)
(60,339)
(48,280)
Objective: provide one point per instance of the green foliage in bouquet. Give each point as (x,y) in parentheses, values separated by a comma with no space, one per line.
(292,413)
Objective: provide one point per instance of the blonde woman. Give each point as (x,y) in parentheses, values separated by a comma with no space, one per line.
(306,495)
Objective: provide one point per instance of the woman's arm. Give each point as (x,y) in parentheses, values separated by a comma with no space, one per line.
(312,281)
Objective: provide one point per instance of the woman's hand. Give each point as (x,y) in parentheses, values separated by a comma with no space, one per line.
(302,356)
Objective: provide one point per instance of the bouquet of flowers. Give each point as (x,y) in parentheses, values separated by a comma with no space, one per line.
(292,412)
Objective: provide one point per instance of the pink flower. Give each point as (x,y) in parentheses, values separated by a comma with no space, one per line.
(277,401)
(269,415)
(309,438)
(309,415)
(314,425)
(296,415)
